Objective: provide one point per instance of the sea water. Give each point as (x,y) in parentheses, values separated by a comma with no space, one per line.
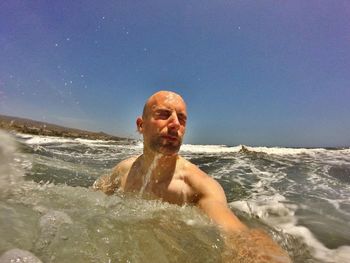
(301,197)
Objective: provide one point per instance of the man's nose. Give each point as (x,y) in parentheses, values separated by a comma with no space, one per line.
(174,122)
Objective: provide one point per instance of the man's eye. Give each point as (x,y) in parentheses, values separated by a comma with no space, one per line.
(162,115)
(182,120)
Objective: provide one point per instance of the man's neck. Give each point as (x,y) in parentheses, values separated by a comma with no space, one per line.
(161,166)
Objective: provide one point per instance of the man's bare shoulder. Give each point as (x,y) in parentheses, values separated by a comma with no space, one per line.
(200,182)
(116,179)
(124,166)
(191,170)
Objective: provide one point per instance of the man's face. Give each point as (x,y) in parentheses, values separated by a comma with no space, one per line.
(164,123)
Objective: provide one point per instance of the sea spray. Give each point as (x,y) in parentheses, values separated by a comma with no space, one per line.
(7,149)
(11,183)
(147,177)
(11,173)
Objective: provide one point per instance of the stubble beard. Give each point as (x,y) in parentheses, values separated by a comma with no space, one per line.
(165,147)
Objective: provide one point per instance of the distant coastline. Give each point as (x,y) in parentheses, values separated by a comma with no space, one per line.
(28,126)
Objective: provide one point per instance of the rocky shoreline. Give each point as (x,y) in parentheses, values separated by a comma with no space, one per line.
(15,124)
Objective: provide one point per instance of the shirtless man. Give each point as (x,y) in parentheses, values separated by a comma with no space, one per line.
(161,172)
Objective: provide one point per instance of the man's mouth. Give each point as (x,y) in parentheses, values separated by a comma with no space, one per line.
(171,138)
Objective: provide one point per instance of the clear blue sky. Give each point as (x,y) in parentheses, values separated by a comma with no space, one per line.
(268,73)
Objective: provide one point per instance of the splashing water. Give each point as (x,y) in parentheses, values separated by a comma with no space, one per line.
(147,177)
(47,222)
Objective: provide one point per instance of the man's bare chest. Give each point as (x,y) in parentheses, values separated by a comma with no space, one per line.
(175,190)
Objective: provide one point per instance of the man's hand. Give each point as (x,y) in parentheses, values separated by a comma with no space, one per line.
(106,184)
(253,245)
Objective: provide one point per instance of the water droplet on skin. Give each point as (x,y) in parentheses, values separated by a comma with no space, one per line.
(147,177)
(171,98)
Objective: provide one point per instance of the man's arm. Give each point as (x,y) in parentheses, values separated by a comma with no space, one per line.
(212,201)
(116,179)
(246,243)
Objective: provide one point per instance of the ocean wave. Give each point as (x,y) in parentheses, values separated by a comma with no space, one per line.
(196,148)
(186,148)
(45,140)
(276,211)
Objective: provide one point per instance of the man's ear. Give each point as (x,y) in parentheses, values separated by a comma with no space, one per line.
(139,124)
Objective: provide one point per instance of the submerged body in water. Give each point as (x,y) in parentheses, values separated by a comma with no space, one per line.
(300,196)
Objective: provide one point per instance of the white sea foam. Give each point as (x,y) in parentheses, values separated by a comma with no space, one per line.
(43,140)
(88,141)
(266,207)
(193,148)
(37,142)
(276,212)
(209,148)
(284,151)
(24,136)
(138,145)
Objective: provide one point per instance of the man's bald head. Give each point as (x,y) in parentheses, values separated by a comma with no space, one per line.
(163,122)
(160,97)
